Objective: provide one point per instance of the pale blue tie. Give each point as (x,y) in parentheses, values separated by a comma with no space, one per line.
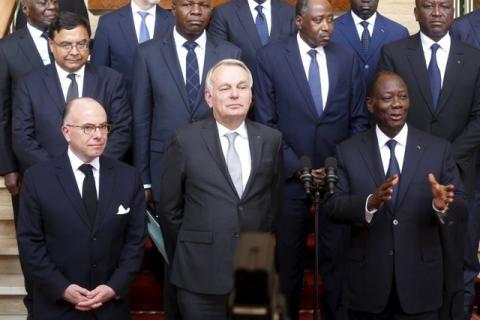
(233,163)
(144,34)
(314,82)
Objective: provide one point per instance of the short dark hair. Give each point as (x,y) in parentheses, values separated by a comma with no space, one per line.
(376,79)
(68,21)
(301,7)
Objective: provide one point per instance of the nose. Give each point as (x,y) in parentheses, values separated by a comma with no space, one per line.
(196,9)
(74,49)
(234,93)
(52,5)
(436,10)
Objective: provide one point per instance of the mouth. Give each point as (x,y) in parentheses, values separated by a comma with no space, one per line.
(195,22)
(396,116)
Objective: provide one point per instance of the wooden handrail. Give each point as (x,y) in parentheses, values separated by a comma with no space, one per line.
(7,9)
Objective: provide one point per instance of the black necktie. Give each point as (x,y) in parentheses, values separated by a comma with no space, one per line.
(365,36)
(434,76)
(89,192)
(72,92)
(50,54)
(393,169)
(192,83)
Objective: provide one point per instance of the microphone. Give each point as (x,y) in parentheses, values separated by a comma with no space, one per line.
(331,176)
(305,175)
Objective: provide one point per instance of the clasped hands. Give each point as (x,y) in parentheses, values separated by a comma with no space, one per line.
(85,300)
(442,195)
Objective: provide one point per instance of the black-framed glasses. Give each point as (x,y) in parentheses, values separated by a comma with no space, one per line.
(68,46)
(89,129)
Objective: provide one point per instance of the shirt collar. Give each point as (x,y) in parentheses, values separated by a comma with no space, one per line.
(357,19)
(304,47)
(427,42)
(267,6)
(34,32)
(180,40)
(77,162)
(401,137)
(241,130)
(135,9)
(62,74)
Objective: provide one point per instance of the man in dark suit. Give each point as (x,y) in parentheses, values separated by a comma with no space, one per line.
(365,31)
(222,177)
(40,97)
(119,33)
(388,193)
(316,103)
(20,53)
(76,6)
(443,78)
(251,24)
(81,228)
(467,28)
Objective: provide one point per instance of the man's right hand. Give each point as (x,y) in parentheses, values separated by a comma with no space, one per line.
(75,294)
(382,194)
(12,182)
(149,198)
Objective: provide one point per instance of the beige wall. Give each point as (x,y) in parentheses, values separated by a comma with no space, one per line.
(400,11)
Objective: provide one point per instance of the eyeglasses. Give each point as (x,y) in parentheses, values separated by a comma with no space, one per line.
(68,46)
(89,129)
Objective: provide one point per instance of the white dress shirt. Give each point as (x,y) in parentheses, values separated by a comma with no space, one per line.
(357,20)
(442,52)
(241,146)
(40,43)
(182,52)
(75,162)
(322,65)
(267,12)
(149,19)
(65,80)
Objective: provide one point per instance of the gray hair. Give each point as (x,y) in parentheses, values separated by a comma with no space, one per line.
(227,62)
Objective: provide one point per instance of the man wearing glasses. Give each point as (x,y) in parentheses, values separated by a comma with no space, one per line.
(81,227)
(40,98)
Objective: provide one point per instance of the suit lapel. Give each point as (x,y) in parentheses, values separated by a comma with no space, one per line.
(413,154)
(371,155)
(347,27)
(90,81)
(52,82)
(255,142)
(246,20)
(170,56)
(453,71)
(378,36)
(127,26)
(212,141)
(106,186)
(334,71)
(294,61)
(418,66)
(67,180)
(27,46)
(211,57)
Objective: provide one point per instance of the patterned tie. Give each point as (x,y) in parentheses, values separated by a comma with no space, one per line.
(144,34)
(393,169)
(72,92)
(44,35)
(89,191)
(434,76)
(314,82)
(192,83)
(233,163)
(365,36)
(261,24)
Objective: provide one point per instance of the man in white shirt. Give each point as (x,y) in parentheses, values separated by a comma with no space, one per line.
(222,177)
(443,78)
(396,187)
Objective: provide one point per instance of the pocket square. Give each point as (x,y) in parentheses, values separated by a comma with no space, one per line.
(122,210)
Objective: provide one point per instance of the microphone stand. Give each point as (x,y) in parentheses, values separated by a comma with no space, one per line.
(316,202)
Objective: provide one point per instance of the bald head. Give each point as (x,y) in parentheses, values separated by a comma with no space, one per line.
(77,108)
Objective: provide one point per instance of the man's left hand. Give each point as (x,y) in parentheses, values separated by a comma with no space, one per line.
(319,178)
(442,195)
(96,298)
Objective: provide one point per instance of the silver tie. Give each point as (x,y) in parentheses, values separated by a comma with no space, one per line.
(233,163)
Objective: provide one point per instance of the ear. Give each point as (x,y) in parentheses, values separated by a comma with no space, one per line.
(415,12)
(66,133)
(25,9)
(298,22)
(369,103)
(209,98)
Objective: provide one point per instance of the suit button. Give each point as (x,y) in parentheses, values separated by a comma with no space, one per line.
(94,265)
(236,235)
(194,119)
(390,252)
(94,239)
(367,66)
(240,208)
(395,222)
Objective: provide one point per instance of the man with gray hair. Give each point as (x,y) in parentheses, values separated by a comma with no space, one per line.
(222,177)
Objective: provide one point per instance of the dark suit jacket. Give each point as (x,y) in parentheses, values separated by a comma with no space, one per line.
(59,246)
(38,109)
(458,117)
(233,22)
(18,56)
(116,41)
(467,28)
(160,103)
(401,244)
(384,31)
(283,101)
(202,213)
